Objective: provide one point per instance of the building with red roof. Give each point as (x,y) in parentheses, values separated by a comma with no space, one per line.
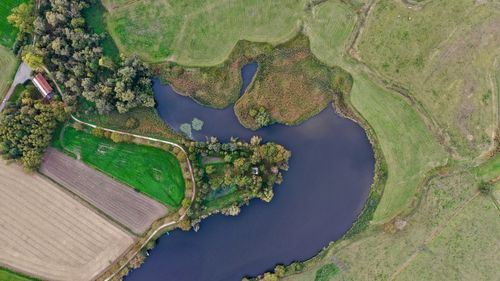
(43,86)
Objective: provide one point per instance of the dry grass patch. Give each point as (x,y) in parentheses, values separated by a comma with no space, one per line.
(290,86)
(49,234)
(216,86)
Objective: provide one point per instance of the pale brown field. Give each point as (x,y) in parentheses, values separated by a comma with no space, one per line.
(123,204)
(46,233)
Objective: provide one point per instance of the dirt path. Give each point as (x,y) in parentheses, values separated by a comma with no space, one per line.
(165,225)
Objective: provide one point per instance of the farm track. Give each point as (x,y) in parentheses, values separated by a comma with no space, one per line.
(46,233)
(118,201)
(165,225)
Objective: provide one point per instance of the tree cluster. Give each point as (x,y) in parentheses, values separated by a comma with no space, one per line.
(26,129)
(261,116)
(250,168)
(75,57)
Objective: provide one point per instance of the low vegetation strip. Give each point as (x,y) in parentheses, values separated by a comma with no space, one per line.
(48,234)
(7,275)
(128,207)
(8,62)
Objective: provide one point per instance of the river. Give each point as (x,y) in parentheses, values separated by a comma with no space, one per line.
(323,192)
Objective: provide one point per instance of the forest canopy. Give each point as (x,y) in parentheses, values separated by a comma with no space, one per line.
(74,56)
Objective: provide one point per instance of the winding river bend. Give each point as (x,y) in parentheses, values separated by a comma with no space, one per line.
(330,174)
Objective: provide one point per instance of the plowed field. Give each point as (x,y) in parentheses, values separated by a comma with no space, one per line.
(46,233)
(125,205)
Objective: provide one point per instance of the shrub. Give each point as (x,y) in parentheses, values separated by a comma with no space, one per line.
(485,187)
(132,123)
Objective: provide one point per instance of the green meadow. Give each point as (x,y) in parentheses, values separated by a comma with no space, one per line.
(150,170)
(8,32)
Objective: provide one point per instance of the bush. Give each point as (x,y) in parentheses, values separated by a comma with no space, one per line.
(132,123)
(485,187)
(326,272)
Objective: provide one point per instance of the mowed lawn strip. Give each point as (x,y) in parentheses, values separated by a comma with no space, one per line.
(132,209)
(9,63)
(409,148)
(7,275)
(152,171)
(8,32)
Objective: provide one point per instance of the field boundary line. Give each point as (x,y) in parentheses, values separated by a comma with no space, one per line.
(165,225)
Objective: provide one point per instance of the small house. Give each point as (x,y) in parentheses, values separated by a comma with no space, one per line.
(255,171)
(43,86)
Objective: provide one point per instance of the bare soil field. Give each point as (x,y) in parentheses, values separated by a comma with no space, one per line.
(46,233)
(123,204)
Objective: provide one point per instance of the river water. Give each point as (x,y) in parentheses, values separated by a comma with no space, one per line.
(323,192)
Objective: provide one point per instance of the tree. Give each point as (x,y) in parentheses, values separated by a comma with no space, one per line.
(106,62)
(33,60)
(262,118)
(22,17)
(116,137)
(98,132)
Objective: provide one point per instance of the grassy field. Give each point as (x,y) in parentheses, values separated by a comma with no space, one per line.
(409,148)
(200,33)
(7,275)
(150,170)
(465,249)
(444,54)
(95,17)
(9,65)
(8,32)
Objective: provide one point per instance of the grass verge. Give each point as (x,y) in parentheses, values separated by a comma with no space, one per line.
(9,65)
(7,275)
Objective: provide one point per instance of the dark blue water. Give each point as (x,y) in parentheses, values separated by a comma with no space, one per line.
(247,73)
(330,174)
